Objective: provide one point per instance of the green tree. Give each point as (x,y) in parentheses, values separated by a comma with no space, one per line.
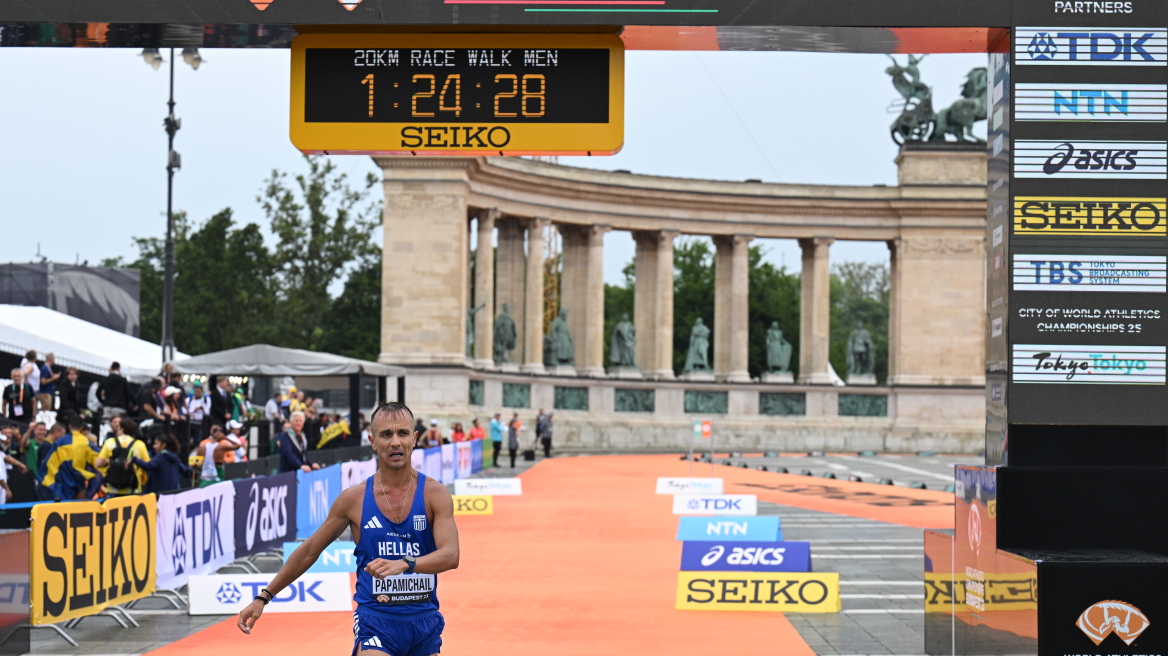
(859,295)
(352,326)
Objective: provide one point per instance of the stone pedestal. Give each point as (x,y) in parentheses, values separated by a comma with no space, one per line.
(778,378)
(861,379)
(698,376)
(626,373)
(508,367)
(561,370)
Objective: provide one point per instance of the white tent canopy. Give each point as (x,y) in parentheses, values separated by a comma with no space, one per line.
(267,360)
(76,342)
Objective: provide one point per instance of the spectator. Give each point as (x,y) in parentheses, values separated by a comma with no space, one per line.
(31,371)
(295,402)
(496,438)
(18,399)
(476,431)
(49,379)
(150,401)
(218,449)
(239,403)
(456,433)
(175,411)
(115,428)
(272,412)
(221,402)
(69,395)
(293,447)
(66,471)
(6,460)
(235,434)
(543,431)
(113,393)
(419,433)
(366,434)
(30,444)
(433,437)
(175,379)
(116,460)
(515,425)
(513,438)
(165,471)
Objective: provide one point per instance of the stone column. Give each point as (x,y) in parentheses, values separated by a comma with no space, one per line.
(592,364)
(731,309)
(664,359)
(653,303)
(815,312)
(484,284)
(509,278)
(533,312)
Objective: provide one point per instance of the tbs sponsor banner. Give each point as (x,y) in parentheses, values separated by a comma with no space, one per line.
(354,473)
(733,529)
(1088,365)
(715,504)
(1081,158)
(480,505)
(1091,102)
(787,592)
(1090,273)
(337,557)
(1090,217)
(1085,46)
(317,492)
(227,594)
(265,512)
(196,533)
(689,485)
(746,557)
(447,451)
(88,555)
(462,460)
(488,486)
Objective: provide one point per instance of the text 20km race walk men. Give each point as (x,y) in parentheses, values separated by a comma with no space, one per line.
(403,526)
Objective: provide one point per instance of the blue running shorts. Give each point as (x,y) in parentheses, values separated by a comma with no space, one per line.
(420,637)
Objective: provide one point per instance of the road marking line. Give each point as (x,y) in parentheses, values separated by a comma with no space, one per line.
(905,468)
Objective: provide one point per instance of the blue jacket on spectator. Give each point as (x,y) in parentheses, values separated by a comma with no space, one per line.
(293,453)
(165,472)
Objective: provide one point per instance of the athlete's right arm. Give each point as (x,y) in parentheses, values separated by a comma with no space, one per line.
(305,555)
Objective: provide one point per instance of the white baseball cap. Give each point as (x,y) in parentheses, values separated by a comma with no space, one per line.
(232,425)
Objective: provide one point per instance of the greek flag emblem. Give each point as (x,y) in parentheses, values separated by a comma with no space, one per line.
(419,522)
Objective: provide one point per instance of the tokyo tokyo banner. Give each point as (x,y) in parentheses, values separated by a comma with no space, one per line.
(265,512)
(196,533)
(315,495)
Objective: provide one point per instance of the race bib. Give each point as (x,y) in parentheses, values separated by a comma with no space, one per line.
(404,588)
(18,410)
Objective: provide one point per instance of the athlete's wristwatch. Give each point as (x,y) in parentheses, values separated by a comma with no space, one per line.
(410,562)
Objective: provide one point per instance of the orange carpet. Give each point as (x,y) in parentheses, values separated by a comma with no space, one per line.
(585,562)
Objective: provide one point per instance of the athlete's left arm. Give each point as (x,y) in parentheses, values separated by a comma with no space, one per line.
(445,557)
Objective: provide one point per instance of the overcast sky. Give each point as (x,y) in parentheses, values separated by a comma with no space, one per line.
(84,166)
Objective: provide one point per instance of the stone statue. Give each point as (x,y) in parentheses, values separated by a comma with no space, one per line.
(699,348)
(624,341)
(861,352)
(504,335)
(778,350)
(559,342)
(470,328)
(958,119)
(917,120)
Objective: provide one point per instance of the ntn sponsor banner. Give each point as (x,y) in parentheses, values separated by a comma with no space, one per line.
(728,556)
(1088,364)
(227,594)
(1091,46)
(265,512)
(736,529)
(315,495)
(788,592)
(1082,158)
(473,505)
(196,533)
(1061,215)
(337,557)
(1090,102)
(1096,273)
(488,486)
(715,504)
(667,485)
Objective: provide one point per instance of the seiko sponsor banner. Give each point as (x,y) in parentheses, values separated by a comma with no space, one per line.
(481,505)
(715,504)
(265,512)
(790,592)
(316,494)
(746,557)
(1119,217)
(732,529)
(1089,365)
(488,486)
(355,473)
(1091,102)
(196,533)
(1084,46)
(447,451)
(462,460)
(1138,160)
(1089,273)
(404,588)
(227,594)
(88,555)
(689,486)
(337,557)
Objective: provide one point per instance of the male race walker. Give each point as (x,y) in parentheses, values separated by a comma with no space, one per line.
(403,526)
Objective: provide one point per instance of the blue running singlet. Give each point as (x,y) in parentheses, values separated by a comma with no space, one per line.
(405,596)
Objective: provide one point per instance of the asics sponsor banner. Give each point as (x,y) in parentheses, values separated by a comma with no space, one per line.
(488,486)
(265,513)
(88,555)
(732,529)
(1089,273)
(746,556)
(404,588)
(1091,102)
(355,473)
(1081,158)
(785,592)
(1089,365)
(337,557)
(715,504)
(689,485)
(1093,217)
(462,460)
(227,594)
(316,494)
(196,533)
(447,451)
(478,505)
(1091,46)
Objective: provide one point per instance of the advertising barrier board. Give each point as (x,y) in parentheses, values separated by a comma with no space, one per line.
(417,459)
(786,592)
(479,505)
(726,556)
(447,451)
(432,463)
(316,494)
(88,555)
(337,557)
(488,486)
(715,504)
(476,456)
(730,529)
(227,594)
(462,460)
(196,533)
(689,485)
(265,512)
(353,473)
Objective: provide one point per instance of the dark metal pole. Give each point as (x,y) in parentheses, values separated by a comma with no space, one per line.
(172,126)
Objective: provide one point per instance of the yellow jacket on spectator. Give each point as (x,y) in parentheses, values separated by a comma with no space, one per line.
(138,450)
(75,450)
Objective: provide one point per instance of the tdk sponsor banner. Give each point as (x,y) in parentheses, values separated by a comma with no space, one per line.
(715,504)
(337,557)
(1091,102)
(788,592)
(732,529)
(746,557)
(227,594)
(354,473)
(265,513)
(1088,365)
(488,486)
(462,460)
(1090,273)
(196,533)
(473,505)
(318,490)
(447,451)
(689,486)
(1084,46)
(1119,217)
(1104,160)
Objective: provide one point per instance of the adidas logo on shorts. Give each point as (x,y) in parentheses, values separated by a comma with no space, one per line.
(373,523)
(373,642)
